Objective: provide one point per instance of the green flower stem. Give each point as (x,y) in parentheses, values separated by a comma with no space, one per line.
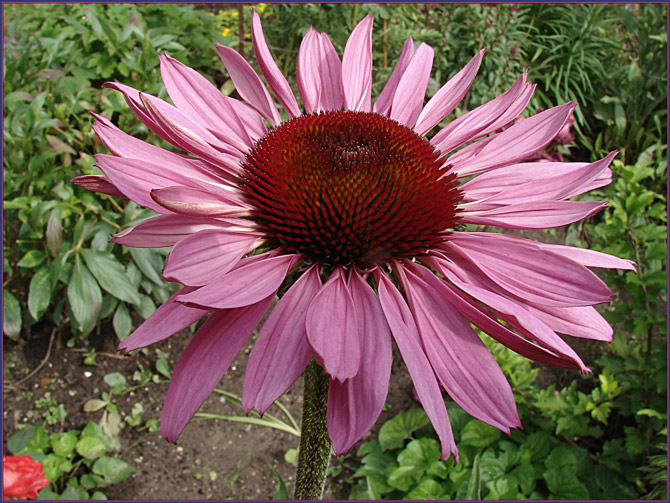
(315,444)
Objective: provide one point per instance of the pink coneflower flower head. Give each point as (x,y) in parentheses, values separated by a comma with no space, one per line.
(342,207)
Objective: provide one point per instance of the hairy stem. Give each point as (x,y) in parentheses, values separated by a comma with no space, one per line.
(315,444)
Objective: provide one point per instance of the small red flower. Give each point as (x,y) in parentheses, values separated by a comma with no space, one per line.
(22,477)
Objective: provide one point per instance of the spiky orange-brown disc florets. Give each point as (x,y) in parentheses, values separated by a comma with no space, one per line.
(349,188)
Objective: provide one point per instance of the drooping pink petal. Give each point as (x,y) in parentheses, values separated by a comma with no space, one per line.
(549,188)
(204,361)
(534,215)
(281,352)
(406,336)
(332,328)
(408,98)
(357,67)
(355,404)
(517,142)
(200,258)
(491,326)
(248,84)
(529,272)
(308,67)
(165,230)
(244,285)
(165,321)
(583,322)
(469,125)
(462,362)
(590,258)
(509,310)
(271,72)
(194,94)
(193,202)
(448,96)
(98,183)
(385,99)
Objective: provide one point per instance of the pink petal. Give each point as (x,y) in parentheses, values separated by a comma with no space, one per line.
(385,99)
(355,404)
(180,132)
(549,188)
(202,257)
(491,326)
(408,98)
(583,322)
(332,94)
(98,183)
(281,352)
(165,321)
(271,72)
(194,202)
(509,310)
(590,258)
(449,95)
(462,362)
(204,361)
(469,125)
(124,145)
(534,215)
(195,95)
(243,286)
(518,142)
(529,272)
(248,84)
(164,230)
(406,336)
(332,328)
(308,71)
(357,64)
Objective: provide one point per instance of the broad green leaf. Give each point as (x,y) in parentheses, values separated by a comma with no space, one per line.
(94,404)
(562,458)
(54,466)
(376,465)
(39,293)
(524,475)
(564,485)
(110,274)
(114,379)
(113,470)
(11,315)
(395,431)
(146,306)
(426,489)
(163,367)
(91,448)
(19,441)
(416,459)
(85,296)
(32,258)
(281,493)
(122,322)
(63,444)
(95,431)
(479,434)
(499,489)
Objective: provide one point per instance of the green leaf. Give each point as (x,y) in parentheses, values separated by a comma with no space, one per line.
(150,262)
(395,431)
(479,434)
(19,441)
(373,493)
(113,470)
(426,489)
(54,466)
(39,293)
(110,274)
(11,315)
(281,493)
(85,297)
(32,258)
(63,443)
(524,475)
(416,459)
(93,430)
(475,483)
(91,448)
(500,489)
(122,322)
(563,484)
(376,465)
(163,367)
(114,379)
(562,457)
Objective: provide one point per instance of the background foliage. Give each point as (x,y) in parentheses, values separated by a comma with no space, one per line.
(583,438)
